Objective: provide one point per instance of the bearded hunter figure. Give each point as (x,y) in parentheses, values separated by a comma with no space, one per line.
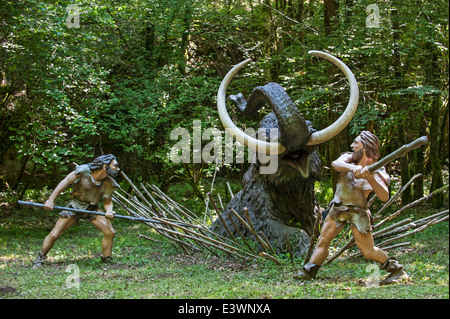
(349,205)
(281,204)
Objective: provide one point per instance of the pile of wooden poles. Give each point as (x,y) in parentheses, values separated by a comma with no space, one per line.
(385,236)
(188,231)
(181,226)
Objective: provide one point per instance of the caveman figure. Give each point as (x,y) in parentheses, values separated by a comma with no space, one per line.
(349,205)
(91,183)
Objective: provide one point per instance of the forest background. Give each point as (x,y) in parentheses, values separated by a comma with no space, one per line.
(118,76)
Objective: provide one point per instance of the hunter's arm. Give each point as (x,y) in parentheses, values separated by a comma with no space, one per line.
(376,181)
(343,164)
(68,180)
(109,208)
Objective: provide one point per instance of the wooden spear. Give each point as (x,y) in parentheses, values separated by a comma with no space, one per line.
(289,247)
(258,238)
(376,216)
(230,218)
(398,212)
(402,151)
(261,234)
(314,236)
(385,249)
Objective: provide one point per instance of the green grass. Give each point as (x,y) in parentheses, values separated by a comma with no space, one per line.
(147,269)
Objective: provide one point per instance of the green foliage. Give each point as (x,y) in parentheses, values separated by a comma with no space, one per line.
(50,65)
(131,73)
(324,193)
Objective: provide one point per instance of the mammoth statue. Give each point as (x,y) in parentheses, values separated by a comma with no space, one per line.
(283,202)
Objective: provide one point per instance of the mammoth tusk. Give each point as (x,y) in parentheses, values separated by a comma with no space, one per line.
(277,148)
(272,148)
(334,129)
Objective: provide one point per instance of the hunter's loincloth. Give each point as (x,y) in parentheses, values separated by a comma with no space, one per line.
(73,203)
(353,215)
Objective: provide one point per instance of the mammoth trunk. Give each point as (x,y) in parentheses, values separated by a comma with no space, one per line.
(293,129)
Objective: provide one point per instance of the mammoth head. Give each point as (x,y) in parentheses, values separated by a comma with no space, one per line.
(296,135)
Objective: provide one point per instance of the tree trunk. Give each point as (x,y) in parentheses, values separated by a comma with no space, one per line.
(185,38)
(404,166)
(419,167)
(330,15)
(334,146)
(338,145)
(269,40)
(23,168)
(437,179)
(25,187)
(194,178)
(300,17)
(435,129)
(404,161)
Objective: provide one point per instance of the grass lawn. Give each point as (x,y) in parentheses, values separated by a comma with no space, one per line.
(148,269)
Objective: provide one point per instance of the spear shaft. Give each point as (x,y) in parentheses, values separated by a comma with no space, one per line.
(84,211)
(402,151)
